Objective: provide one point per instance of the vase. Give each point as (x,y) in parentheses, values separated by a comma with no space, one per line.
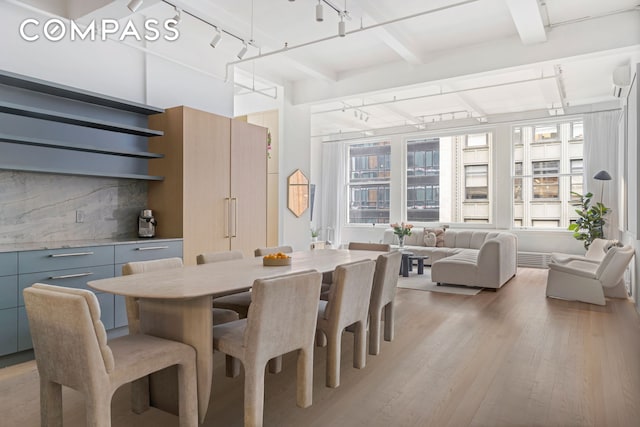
(401,241)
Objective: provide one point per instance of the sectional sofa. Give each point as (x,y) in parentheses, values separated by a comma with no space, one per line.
(464,257)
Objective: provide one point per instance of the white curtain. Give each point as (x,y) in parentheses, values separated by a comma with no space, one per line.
(601,153)
(332,191)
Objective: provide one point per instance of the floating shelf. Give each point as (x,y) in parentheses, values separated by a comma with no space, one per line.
(23,140)
(39,113)
(37,85)
(83,173)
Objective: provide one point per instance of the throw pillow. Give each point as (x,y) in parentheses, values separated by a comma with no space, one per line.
(613,243)
(430,239)
(439,232)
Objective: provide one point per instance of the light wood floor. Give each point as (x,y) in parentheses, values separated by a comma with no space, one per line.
(506,358)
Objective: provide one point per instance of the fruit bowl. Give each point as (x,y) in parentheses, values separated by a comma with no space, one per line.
(275,260)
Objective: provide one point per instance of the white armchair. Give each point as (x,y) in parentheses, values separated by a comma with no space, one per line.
(589,281)
(596,252)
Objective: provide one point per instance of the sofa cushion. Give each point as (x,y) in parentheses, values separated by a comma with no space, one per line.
(430,239)
(439,232)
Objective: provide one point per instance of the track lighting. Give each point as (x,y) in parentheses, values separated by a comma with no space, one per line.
(341,27)
(243,51)
(319,12)
(135,5)
(216,39)
(178,16)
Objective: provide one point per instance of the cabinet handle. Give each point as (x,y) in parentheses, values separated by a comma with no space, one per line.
(152,248)
(235,216)
(227,217)
(73,254)
(70,276)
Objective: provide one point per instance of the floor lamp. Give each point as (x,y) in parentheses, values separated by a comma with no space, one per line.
(602,176)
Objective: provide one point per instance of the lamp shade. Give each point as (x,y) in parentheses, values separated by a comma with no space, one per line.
(602,176)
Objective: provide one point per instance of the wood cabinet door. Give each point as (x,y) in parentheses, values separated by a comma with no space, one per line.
(248,187)
(206,183)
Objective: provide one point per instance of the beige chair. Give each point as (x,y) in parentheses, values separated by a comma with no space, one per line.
(237,302)
(596,252)
(71,349)
(348,305)
(282,318)
(138,267)
(590,282)
(359,246)
(273,250)
(383,294)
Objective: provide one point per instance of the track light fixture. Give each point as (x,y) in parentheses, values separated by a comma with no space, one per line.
(216,39)
(319,12)
(243,51)
(341,27)
(134,5)
(178,16)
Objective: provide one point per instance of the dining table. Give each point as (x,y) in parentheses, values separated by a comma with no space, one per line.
(176,304)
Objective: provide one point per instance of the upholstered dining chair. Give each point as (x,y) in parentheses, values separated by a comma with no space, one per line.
(348,305)
(383,293)
(327,277)
(282,318)
(273,250)
(238,302)
(71,349)
(591,282)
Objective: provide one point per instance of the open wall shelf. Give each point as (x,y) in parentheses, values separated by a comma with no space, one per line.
(53,128)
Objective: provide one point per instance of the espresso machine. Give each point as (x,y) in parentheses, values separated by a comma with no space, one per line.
(146,224)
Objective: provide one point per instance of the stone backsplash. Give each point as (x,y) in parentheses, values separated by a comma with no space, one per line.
(40,207)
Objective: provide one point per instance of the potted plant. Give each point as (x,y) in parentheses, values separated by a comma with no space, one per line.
(590,223)
(315,232)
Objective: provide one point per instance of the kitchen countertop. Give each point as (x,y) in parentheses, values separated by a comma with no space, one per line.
(34,246)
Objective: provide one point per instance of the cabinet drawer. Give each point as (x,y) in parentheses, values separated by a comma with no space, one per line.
(71,278)
(8,263)
(146,251)
(8,292)
(60,259)
(8,331)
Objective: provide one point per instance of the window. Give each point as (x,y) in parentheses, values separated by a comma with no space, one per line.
(476,182)
(576,130)
(477,140)
(423,180)
(545,179)
(576,178)
(545,133)
(517,182)
(545,175)
(369,182)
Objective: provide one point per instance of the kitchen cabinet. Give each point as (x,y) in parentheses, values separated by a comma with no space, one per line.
(214,194)
(70,267)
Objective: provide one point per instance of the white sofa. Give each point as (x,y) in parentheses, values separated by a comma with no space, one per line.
(467,257)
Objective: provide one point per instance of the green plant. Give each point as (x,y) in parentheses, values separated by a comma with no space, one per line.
(315,232)
(590,223)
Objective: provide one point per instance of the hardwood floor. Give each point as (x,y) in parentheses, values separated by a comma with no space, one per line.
(506,358)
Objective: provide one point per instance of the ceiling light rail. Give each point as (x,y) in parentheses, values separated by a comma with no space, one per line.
(441,93)
(288,47)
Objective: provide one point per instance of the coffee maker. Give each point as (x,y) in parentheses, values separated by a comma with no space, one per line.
(146,224)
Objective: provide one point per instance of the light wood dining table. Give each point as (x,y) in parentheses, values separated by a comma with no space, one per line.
(176,304)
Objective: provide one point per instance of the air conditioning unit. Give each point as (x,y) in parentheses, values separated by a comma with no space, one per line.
(621,81)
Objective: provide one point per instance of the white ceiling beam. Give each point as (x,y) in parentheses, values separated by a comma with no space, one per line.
(528,20)
(464,100)
(389,35)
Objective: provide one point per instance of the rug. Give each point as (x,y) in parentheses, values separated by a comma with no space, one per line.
(422,282)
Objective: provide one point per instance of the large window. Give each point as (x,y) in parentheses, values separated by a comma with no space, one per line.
(423,180)
(369,183)
(547,167)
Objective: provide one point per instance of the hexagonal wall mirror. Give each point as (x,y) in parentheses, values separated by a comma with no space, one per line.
(298,193)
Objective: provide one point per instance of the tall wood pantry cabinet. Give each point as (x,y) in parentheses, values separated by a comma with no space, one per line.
(214,194)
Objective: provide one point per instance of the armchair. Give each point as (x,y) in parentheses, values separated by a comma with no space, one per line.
(588,281)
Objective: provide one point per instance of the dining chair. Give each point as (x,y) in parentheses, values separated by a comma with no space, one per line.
(237,302)
(273,250)
(383,293)
(282,318)
(348,305)
(71,349)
